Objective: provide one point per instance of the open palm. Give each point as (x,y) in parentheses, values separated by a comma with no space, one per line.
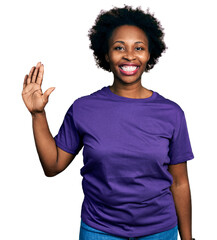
(32,95)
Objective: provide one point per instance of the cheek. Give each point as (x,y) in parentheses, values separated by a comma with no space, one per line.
(113,59)
(144,60)
(144,57)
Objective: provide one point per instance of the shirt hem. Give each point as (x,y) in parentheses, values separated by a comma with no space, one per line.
(183,159)
(58,144)
(135,233)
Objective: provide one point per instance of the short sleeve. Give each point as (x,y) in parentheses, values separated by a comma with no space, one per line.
(68,137)
(180,147)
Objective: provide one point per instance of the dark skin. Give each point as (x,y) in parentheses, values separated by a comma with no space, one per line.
(182,198)
(128,44)
(128,47)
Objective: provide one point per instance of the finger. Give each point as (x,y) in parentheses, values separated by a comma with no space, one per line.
(40,75)
(47,93)
(38,64)
(30,75)
(25,81)
(35,74)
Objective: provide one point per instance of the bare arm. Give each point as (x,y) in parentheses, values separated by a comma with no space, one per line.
(52,158)
(182,198)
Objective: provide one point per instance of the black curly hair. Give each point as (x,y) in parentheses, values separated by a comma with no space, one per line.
(107,21)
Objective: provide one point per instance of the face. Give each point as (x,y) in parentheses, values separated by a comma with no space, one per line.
(128,53)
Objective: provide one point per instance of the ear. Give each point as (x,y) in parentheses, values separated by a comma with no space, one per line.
(107,58)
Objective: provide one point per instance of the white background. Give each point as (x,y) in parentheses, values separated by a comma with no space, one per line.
(33,206)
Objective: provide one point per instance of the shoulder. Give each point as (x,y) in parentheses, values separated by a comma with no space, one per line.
(89,98)
(172,106)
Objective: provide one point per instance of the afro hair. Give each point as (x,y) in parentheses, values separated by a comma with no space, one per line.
(107,21)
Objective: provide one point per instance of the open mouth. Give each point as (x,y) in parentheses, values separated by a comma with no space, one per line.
(128,69)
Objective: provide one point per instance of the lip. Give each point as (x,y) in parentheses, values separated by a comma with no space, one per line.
(129,73)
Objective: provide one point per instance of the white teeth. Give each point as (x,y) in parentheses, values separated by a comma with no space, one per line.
(129,68)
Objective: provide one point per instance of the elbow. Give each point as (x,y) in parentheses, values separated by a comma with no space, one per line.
(50,173)
(179,186)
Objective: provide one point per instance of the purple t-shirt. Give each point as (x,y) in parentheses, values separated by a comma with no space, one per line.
(128,145)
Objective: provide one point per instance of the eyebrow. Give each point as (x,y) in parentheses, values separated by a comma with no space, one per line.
(124,42)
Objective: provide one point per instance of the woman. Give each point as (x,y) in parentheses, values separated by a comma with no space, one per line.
(136,143)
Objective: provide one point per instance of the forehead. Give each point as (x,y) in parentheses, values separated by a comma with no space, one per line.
(128,33)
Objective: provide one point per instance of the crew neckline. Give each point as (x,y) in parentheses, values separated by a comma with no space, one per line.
(118,97)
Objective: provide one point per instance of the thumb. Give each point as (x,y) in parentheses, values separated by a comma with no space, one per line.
(48,92)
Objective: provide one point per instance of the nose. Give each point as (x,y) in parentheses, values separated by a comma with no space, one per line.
(129,55)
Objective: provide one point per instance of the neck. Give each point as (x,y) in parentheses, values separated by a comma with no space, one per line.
(130,90)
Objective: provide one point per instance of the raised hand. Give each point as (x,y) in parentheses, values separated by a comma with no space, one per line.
(32,95)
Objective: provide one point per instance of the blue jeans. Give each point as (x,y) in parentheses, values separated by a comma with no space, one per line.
(89,233)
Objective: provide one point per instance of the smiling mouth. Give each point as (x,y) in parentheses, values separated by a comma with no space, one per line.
(128,70)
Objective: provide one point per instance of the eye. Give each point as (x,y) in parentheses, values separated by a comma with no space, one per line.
(119,48)
(139,48)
